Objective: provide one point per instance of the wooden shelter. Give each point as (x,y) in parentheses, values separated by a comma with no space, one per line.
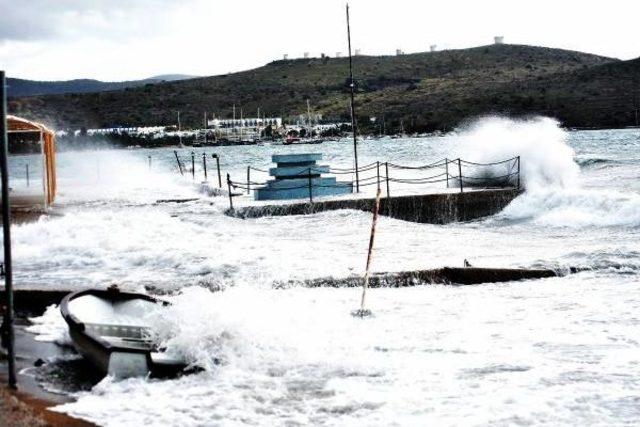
(45,138)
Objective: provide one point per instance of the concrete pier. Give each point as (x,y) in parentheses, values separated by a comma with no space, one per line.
(428,208)
(442,276)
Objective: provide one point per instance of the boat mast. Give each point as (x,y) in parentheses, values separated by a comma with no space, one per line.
(353,108)
(179,130)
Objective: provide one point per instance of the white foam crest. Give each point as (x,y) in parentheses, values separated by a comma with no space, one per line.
(546,159)
(50,327)
(242,328)
(550,175)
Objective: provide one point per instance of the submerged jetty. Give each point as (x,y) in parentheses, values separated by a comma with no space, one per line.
(424,208)
(441,276)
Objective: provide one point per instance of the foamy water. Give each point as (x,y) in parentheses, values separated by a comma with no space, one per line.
(559,351)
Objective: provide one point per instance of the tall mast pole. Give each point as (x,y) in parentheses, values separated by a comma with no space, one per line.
(179,129)
(6,231)
(353,108)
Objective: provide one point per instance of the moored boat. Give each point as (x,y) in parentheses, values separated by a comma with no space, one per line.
(110,328)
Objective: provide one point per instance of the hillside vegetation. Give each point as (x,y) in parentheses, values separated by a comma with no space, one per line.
(20,87)
(427,91)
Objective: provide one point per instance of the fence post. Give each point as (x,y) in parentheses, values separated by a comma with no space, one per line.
(310,187)
(178,160)
(193,165)
(27,165)
(7,333)
(386,167)
(446,168)
(204,165)
(215,156)
(460,173)
(149,163)
(518,172)
(248,179)
(230,194)
(378,173)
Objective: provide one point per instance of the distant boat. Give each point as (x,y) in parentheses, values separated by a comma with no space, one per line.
(109,328)
(293,140)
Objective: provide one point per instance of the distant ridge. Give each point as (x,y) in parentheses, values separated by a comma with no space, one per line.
(424,91)
(21,87)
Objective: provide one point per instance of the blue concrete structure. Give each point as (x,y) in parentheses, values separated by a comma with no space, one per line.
(294,173)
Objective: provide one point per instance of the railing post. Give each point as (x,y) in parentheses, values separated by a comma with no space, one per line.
(193,165)
(310,186)
(248,179)
(204,165)
(378,173)
(386,167)
(518,172)
(446,168)
(215,156)
(6,232)
(460,173)
(27,165)
(230,194)
(178,160)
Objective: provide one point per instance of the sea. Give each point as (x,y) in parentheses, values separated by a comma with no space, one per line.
(556,351)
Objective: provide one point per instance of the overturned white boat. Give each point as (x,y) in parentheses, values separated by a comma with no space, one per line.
(111,330)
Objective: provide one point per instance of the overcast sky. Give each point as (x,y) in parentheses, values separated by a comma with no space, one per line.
(131,39)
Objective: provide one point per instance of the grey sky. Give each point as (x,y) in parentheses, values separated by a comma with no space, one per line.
(121,40)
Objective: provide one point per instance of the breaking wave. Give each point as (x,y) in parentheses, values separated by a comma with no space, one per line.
(550,175)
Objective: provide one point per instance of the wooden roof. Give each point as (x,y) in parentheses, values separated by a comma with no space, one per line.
(17,124)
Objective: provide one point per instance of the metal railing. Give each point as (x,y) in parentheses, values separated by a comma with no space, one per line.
(458,172)
(182,168)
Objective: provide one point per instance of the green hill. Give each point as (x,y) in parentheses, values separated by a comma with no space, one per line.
(19,87)
(428,91)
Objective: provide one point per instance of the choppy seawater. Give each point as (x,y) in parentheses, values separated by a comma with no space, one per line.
(559,351)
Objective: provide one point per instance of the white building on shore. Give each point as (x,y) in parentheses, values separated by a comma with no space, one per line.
(245,129)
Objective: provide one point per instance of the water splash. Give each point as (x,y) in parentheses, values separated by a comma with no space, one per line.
(554,195)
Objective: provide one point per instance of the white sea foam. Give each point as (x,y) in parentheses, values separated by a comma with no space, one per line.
(436,355)
(50,327)
(554,195)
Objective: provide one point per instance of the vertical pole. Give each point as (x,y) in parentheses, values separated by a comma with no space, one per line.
(178,160)
(310,187)
(378,173)
(446,170)
(353,108)
(218,167)
(518,172)
(6,231)
(386,167)
(363,312)
(27,167)
(460,173)
(204,165)
(179,130)
(230,195)
(248,179)
(193,165)
(149,163)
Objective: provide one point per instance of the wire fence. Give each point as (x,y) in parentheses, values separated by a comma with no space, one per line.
(454,173)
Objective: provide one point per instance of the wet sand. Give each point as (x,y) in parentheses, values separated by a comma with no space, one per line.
(29,405)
